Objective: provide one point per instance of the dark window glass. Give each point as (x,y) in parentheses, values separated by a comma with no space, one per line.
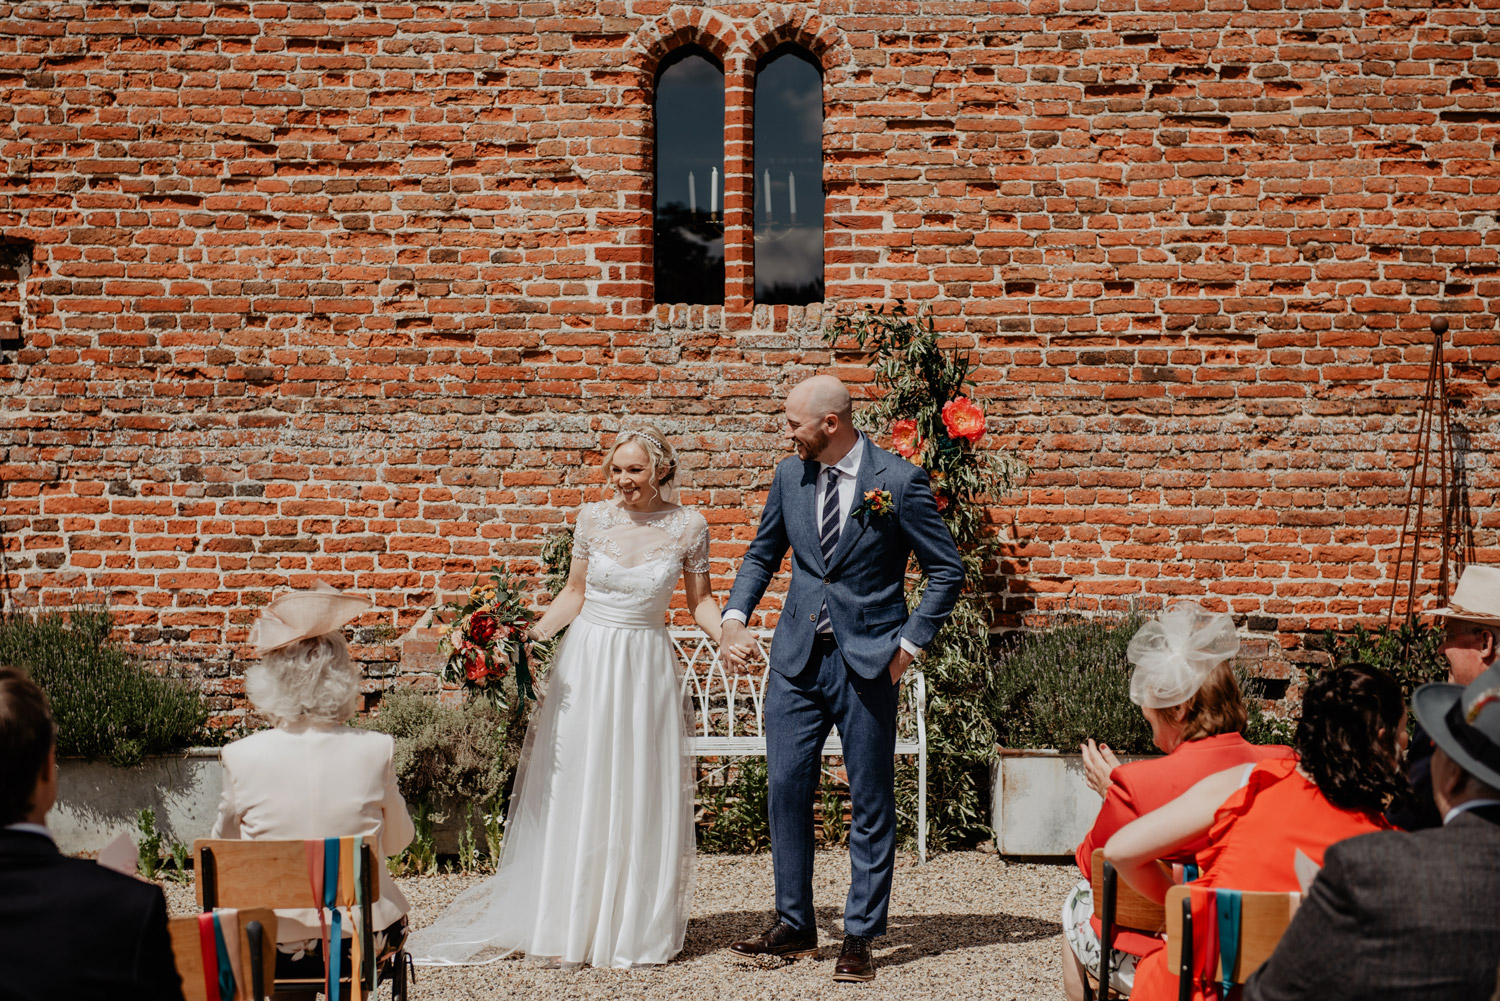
(788,178)
(689,222)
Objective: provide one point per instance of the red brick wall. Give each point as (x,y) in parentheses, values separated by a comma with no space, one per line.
(353,291)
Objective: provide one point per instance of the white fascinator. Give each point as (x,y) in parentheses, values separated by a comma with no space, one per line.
(300,614)
(1174,654)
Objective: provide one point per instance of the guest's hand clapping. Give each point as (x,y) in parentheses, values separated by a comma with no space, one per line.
(1098,762)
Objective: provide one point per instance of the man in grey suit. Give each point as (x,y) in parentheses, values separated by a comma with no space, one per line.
(1410,916)
(852,515)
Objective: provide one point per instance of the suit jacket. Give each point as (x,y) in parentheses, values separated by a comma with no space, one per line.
(76,930)
(1397,916)
(1419,812)
(864,583)
(317,781)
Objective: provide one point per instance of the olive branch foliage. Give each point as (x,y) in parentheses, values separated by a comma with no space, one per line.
(917,374)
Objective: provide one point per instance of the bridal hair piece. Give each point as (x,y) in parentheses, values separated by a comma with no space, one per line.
(659,452)
(1175,654)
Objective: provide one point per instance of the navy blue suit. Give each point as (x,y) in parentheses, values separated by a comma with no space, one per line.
(76,930)
(812,689)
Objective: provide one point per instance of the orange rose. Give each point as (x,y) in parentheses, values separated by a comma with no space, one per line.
(904,438)
(963,419)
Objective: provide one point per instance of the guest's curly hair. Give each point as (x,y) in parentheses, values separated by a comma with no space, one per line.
(1347,737)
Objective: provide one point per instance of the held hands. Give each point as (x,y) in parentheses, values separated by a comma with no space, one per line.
(737,644)
(1098,762)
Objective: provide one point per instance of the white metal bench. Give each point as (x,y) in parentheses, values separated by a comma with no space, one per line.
(730,707)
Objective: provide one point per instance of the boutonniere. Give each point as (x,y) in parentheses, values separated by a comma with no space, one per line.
(876,502)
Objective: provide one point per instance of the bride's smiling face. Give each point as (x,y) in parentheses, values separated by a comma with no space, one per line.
(634,478)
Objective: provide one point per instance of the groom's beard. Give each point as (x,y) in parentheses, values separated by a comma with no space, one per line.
(807,451)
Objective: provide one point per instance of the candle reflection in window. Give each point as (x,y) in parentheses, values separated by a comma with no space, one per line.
(688,245)
(789,149)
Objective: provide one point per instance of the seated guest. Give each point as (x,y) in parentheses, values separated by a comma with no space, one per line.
(1471,644)
(311,777)
(1406,916)
(1257,817)
(68,928)
(1186,689)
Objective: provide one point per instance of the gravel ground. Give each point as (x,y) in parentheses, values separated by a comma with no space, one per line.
(966,925)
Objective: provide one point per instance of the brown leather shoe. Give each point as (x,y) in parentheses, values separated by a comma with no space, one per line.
(780,940)
(855,962)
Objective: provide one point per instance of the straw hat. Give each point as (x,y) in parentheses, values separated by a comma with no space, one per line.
(1476,598)
(300,614)
(1465,722)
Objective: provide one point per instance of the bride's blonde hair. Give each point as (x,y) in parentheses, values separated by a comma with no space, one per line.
(659,452)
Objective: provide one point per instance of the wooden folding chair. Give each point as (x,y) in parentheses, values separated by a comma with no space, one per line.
(276,874)
(257,949)
(1119,906)
(1263,920)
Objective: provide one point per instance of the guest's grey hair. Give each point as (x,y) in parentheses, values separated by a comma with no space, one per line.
(309,681)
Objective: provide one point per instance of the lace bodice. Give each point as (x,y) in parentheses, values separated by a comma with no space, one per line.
(634,560)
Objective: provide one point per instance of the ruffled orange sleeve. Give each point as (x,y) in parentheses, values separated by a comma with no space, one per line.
(1265,774)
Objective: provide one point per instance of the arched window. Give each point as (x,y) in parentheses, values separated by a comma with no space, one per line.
(689,223)
(788,177)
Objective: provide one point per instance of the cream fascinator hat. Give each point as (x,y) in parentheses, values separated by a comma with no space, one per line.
(301,614)
(1174,655)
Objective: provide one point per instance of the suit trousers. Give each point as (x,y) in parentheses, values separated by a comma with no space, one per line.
(799,713)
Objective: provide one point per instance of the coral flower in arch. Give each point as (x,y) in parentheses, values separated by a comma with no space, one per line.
(963,419)
(904,438)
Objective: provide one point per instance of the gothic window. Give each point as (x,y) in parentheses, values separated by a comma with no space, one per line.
(688,231)
(788,189)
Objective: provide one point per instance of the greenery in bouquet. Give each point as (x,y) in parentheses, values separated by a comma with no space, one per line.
(926,414)
(484,637)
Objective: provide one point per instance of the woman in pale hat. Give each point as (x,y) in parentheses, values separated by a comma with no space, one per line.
(310,776)
(1186,689)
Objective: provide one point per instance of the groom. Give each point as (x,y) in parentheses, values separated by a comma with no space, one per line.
(852,515)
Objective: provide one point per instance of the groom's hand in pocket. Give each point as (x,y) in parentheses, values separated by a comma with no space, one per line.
(899,663)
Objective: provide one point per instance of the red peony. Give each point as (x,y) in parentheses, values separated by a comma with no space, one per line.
(482,628)
(942,502)
(474,667)
(904,438)
(963,419)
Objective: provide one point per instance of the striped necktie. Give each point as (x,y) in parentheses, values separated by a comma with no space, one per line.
(828,535)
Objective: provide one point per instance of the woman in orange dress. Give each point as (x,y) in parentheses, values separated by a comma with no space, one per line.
(1257,817)
(1186,689)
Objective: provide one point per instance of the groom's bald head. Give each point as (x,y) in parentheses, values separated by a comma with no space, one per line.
(820,419)
(822,396)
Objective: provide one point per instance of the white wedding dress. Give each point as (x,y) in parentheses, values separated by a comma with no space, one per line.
(597,862)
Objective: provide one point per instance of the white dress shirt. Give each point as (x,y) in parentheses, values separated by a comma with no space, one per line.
(848,470)
(1473,804)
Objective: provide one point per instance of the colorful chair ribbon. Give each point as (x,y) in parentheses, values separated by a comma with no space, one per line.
(1205,905)
(1228,902)
(331,863)
(218,967)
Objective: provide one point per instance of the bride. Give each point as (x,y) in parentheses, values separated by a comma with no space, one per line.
(597,861)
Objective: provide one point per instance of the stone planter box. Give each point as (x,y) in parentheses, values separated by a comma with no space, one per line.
(97,801)
(1039,802)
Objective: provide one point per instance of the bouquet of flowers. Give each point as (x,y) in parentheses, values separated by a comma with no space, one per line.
(484,636)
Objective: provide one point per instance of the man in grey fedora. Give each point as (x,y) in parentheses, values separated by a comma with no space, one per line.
(1405,916)
(852,515)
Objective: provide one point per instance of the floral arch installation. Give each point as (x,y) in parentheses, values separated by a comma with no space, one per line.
(688,219)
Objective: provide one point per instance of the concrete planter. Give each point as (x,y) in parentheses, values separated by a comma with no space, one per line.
(97,801)
(1040,803)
